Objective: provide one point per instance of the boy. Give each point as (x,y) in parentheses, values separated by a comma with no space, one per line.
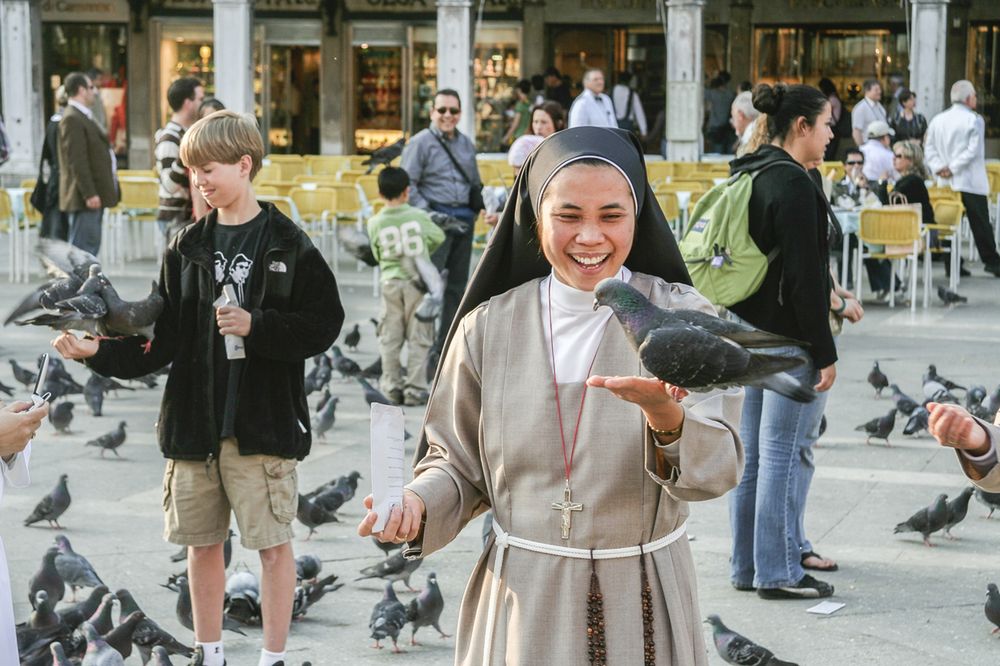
(232,430)
(399,235)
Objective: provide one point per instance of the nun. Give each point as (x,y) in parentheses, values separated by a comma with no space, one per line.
(17,427)
(543,413)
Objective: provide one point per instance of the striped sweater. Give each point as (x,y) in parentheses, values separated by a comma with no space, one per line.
(175,187)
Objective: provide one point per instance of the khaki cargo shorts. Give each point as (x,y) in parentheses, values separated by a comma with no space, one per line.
(261,490)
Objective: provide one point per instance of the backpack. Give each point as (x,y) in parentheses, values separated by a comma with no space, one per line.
(725,264)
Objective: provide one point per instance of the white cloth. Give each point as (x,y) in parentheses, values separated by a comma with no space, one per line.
(620,94)
(878,161)
(578,327)
(16,474)
(745,138)
(956,139)
(521,148)
(591,110)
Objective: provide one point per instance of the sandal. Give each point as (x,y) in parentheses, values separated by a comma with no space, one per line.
(811,553)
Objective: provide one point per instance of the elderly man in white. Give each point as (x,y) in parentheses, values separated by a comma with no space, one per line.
(743,117)
(17,427)
(593,107)
(954,149)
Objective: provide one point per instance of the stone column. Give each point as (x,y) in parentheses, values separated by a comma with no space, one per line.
(233,52)
(685,106)
(335,73)
(927,55)
(741,40)
(454,57)
(21,78)
(533,56)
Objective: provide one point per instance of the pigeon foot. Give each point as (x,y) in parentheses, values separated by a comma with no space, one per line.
(376,646)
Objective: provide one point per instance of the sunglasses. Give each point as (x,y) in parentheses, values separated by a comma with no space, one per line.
(453,110)
(853,162)
(899,155)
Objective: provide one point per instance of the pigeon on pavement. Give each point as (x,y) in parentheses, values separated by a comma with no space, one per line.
(928,520)
(904,403)
(308,594)
(23,375)
(878,380)
(737,649)
(307,567)
(325,418)
(322,399)
(74,568)
(990,500)
(227,551)
(101,618)
(148,633)
(932,375)
(59,655)
(61,416)
(353,338)
(93,394)
(180,585)
(120,637)
(384,155)
(52,505)
(99,653)
(243,597)
(373,371)
(918,421)
(386,548)
(312,515)
(388,619)
(81,611)
(110,441)
(992,607)
(957,510)
(975,395)
(345,366)
(395,567)
(425,609)
(879,427)
(372,394)
(948,297)
(700,352)
(7,390)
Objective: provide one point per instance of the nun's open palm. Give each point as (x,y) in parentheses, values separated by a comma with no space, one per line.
(658,400)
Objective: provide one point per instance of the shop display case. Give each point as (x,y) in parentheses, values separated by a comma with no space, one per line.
(378,116)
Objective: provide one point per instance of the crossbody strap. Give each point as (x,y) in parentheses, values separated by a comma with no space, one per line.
(458,166)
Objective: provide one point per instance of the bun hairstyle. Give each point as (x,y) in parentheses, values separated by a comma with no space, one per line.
(782,104)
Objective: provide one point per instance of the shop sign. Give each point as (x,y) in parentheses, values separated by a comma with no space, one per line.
(618,4)
(843,4)
(360,6)
(85,11)
(259,5)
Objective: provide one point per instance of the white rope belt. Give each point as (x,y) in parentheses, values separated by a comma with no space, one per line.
(505,541)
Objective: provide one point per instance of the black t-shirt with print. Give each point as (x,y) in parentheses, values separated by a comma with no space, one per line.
(237,251)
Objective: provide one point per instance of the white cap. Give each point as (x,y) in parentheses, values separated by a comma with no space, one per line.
(879,128)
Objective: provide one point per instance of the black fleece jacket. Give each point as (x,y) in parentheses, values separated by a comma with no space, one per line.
(296,314)
(787,211)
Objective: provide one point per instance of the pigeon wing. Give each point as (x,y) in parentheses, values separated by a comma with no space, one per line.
(741,334)
(688,356)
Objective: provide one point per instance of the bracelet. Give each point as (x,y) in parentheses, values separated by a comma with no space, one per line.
(666,433)
(843,306)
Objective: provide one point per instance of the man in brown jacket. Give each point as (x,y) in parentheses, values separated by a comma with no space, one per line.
(87,166)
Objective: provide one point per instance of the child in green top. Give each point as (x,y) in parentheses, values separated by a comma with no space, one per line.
(400,234)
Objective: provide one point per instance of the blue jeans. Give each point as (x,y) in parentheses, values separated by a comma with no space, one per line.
(765,510)
(806,469)
(455,254)
(85,229)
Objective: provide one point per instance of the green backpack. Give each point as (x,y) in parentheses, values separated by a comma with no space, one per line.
(725,264)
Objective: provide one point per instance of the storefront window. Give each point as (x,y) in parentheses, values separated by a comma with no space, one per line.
(378,96)
(185,51)
(847,57)
(293,103)
(81,47)
(983,63)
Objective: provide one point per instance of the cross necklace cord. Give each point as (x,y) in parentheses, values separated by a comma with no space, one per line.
(567,505)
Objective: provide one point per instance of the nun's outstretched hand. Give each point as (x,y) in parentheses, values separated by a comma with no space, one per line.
(658,400)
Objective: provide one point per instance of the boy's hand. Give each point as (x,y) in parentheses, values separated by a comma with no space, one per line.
(233,320)
(73,349)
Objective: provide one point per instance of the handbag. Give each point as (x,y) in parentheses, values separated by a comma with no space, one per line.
(476,202)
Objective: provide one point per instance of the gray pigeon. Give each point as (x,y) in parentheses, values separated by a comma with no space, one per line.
(43,615)
(307,567)
(737,649)
(928,520)
(74,568)
(386,548)
(384,155)
(425,609)
(148,633)
(357,244)
(93,393)
(990,500)
(395,567)
(992,402)
(243,597)
(120,637)
(81,312)
(432,282)
(312,515)
(957,510)
(23,375)
(160,657)
(101,618)
(345,366)
(308,594)
(918,421)
(59,655)
(372,394)
(80,612)
(935,391)
(373,371)
(322,400)
(700,352)
(110,441)
(61,416)
(99,653)
(67,266)
(131,317)
(878,380)
(325,418)
(975,395)
(8,390)
(904,403)
(179,584)
(52,505)
(353,338)
(932,375)
(949,297)
(388,619)
(992,607)
(879,427)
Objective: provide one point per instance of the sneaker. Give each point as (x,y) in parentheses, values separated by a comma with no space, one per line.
(993,268)
(415,398)
(396,396)
(741,587)
(807,588)
(199,657)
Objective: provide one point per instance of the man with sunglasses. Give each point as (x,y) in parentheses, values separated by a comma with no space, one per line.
(444,177)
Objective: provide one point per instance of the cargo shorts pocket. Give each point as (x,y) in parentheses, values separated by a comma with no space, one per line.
(168,477)
(282,488)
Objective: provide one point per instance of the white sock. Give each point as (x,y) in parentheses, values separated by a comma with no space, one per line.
(270,658)
(214,654)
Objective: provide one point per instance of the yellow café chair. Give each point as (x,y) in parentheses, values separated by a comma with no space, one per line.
(899,233)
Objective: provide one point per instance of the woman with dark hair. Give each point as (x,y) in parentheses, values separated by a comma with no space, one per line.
(840,122)
(907,122)
(45,197)
(210,105)
(542,411)
(546,118)
(787,213)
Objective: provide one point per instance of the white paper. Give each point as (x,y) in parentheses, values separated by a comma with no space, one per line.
(387,461)
(826,607)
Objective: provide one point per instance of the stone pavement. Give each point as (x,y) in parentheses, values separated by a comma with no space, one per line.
(906,604)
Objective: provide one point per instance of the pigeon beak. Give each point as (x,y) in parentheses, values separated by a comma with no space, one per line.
(596,305)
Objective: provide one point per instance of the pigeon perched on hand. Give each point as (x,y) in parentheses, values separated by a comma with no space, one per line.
(425,609)
(904,403)
(935,391)
(990,500)
(918,421)
(312,515)
(395,567)
(388,619)
(737,649)
(74,568)
(948,297)
(700,352)
(878,380)
(52,505)
(384,156)
(957,510)
(61,416)
(992,607)
(879,427)
(353,338)
(67,266)
(325,418)
(345,366)
(928,520)
(110,441)
(932,375)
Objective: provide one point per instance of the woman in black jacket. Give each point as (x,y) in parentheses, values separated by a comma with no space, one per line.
(787,211)
(55,223)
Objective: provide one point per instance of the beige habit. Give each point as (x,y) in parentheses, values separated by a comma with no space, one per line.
(494,442)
